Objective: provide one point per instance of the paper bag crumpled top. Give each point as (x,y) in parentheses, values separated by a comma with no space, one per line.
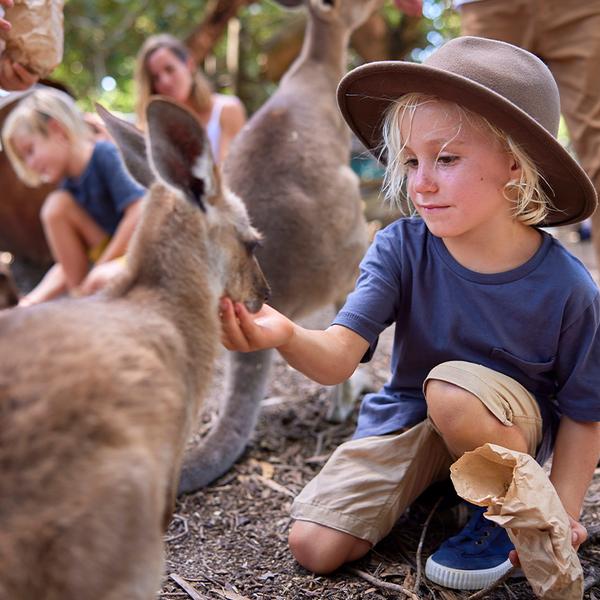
(521,498)
(35,39)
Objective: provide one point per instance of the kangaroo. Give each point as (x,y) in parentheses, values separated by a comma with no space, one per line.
(9,295)
(98,394)
(291,161)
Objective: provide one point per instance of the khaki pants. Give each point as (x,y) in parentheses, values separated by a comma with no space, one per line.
(566,36)
(368,483)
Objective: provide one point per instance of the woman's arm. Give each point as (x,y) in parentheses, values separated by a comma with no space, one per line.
(233,118)
(327,357)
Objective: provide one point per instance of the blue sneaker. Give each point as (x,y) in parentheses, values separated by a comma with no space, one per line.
(472,559)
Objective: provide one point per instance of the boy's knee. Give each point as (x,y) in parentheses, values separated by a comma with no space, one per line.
(447,404)
(321,549)
(56,206)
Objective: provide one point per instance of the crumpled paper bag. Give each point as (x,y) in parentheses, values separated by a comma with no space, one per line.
(35,39)
(521,498)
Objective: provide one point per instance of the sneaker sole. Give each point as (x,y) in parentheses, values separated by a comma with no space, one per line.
(459,579)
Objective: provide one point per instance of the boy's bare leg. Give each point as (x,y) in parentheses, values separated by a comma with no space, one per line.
(321,549)
(464,421)
(51,286)
(70,232)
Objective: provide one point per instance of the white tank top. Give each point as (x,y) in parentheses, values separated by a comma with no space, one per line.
(213,127)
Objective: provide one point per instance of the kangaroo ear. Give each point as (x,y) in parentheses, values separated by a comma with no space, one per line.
(131,144)
(180,151)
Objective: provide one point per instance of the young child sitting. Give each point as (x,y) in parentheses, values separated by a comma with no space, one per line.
(91,216)
(496,324)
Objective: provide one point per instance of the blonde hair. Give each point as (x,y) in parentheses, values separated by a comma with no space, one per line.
(200,95)
(531,203)
(32,116)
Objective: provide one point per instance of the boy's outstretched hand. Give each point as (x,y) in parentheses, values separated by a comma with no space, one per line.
(578,535)
(246,332)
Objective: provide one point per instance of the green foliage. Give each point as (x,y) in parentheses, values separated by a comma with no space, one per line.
(102,38)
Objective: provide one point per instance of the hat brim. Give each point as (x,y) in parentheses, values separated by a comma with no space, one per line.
(365,93)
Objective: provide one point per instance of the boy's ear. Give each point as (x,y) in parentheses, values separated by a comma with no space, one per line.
(515,168)
(132,145)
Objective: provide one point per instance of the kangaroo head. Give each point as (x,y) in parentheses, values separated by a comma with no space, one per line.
(175,162)
(349,13)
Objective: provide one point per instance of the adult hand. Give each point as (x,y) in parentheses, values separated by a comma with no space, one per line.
(246,332)
(13,76)
(412,8)
(4,24)
(578,535)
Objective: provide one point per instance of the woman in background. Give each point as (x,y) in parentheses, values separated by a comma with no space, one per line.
(165,66)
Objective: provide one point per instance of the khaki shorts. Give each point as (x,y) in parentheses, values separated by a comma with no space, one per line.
(368,483)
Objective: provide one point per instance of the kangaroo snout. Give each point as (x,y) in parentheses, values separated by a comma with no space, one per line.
(263,294)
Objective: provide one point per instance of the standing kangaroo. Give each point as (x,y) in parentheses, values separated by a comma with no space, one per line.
(291,162)
(98,395)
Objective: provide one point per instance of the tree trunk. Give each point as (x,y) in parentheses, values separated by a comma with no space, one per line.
(204,37)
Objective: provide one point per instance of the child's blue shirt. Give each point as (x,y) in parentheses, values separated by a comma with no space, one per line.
(538,323)
(104,189)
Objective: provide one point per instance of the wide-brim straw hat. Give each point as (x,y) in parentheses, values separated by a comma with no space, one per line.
(509,86)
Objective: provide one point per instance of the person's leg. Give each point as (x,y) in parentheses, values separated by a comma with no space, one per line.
(51,286)
(471,405)
(70,232)
(454,410)
(569,42)
(321,549)
(496,19)
(361,492)
(461,394)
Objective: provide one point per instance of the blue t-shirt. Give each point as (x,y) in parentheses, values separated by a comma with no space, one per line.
(105,188)
(538,323)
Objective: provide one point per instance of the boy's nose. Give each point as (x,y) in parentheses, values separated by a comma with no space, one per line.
(424,180)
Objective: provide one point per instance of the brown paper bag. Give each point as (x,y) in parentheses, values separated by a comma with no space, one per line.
(36,36)
(521,498)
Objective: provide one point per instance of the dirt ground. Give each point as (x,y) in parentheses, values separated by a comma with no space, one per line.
(229,540)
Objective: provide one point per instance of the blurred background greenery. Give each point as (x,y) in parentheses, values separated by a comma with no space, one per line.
(102,38)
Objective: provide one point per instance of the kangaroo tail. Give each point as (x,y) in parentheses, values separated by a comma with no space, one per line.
(227,440)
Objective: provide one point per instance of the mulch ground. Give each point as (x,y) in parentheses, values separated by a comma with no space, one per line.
(230,540)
